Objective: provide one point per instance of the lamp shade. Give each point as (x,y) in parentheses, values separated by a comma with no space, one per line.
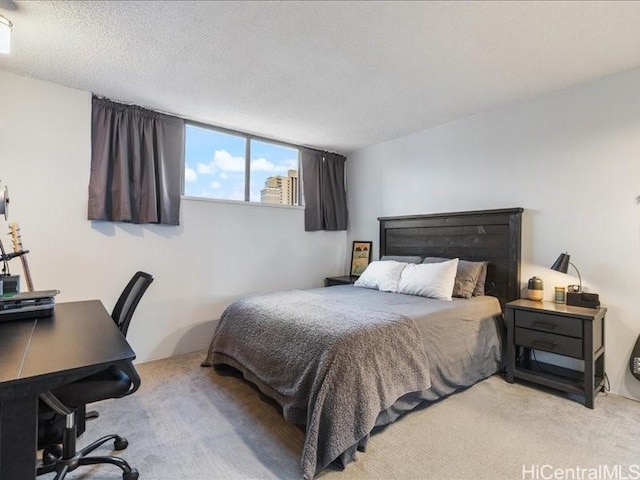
(562,263)
(5,34)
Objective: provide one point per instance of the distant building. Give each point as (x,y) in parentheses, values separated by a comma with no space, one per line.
(281,190)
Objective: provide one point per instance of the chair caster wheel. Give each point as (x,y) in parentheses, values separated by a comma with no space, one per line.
(51,454)
(132,475)
(121,444)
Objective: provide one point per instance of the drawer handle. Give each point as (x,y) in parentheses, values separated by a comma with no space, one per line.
(543,344)
(546,325)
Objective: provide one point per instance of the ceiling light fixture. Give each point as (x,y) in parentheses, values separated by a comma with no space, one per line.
(5,34)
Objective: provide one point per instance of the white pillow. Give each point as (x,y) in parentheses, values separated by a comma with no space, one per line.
(433,280)
(383,276)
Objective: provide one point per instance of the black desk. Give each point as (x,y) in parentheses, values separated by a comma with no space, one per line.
(41,354)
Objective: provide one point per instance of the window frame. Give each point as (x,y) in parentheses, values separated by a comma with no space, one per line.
(247,166)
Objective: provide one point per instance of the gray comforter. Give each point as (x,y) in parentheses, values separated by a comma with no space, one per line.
(342,360)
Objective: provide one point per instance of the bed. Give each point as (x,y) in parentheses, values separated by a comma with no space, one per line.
(343,360)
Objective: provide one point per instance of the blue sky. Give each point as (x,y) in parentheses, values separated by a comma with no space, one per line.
(214,164)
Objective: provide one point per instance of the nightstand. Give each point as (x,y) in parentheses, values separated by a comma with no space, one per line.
(573,332)
(346,280)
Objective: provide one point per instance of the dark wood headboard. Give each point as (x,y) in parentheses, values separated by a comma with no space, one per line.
(482,235)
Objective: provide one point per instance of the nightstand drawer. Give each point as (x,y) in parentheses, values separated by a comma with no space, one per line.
(545,322)
(549,342)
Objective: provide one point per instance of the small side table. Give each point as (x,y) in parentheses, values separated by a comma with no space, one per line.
(565,330)
(346,280)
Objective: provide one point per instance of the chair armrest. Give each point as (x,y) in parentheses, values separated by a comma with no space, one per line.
(132,373)
(54,404)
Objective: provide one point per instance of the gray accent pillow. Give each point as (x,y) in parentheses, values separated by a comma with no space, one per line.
(434,259)
(482,278)
(466,276)
(404,258)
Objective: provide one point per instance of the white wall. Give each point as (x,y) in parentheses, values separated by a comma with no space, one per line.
(571,159)
(220,252)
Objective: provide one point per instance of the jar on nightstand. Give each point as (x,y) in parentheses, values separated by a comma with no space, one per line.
(535,289)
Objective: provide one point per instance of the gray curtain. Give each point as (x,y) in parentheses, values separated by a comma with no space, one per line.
(136,164)
(325,197)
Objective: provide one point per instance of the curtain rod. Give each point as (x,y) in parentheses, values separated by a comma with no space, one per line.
(224,129)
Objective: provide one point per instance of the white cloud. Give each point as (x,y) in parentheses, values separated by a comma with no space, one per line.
(222,161)
(206,168)
(263,165)
(190,175)
(227,162)
(216,185)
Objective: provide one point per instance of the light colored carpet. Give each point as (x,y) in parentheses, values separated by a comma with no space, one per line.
(188,422)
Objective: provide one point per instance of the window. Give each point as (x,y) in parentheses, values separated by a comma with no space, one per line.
(214,164)
(235,166)
(274,174)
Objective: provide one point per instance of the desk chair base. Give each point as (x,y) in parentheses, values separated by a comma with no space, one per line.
(67,459)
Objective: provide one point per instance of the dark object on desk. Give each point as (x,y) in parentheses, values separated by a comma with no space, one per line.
(27,305)
(582,299)
(26,296)
(634,361)
(10,284)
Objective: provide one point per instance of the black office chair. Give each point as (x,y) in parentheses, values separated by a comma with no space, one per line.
(123,312)
(69,402)
(129,299)
(114,382)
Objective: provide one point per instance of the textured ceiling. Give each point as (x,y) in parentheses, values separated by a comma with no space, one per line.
(336,75)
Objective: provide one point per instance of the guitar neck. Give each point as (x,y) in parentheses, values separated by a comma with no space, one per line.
(27,273)
(17,247)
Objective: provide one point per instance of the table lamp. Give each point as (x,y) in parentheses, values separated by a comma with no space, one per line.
(562,265)
(579,298)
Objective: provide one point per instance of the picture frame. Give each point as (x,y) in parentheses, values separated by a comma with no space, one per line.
(360,257)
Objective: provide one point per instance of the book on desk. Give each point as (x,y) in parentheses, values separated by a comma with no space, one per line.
(27,305)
